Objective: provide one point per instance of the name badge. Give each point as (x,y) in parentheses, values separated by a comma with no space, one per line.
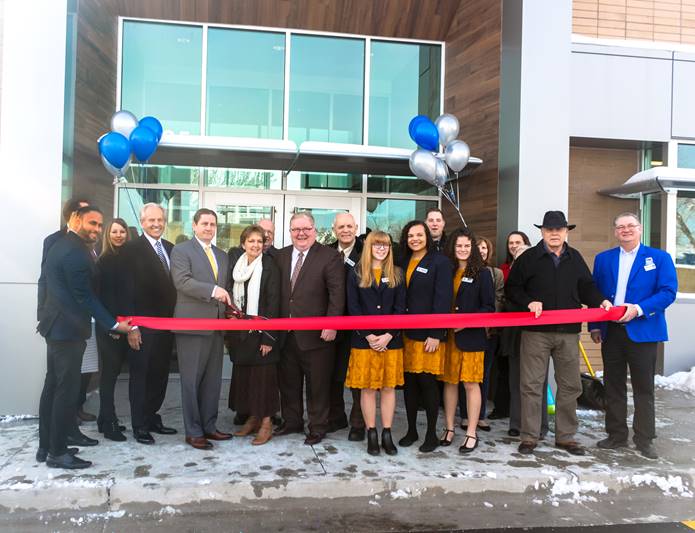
(421,269)
(649,264)
(384,280)
(350,262)
(467,280)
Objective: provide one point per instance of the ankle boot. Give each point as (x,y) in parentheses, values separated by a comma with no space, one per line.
(250,426)
(387,442)
(431,441)
(372,442)
(409,438)
(264,433)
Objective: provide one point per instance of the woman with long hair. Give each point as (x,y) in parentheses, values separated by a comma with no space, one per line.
(112,348)
(376,287)
(254,388)
(464,362)
(515,239)
(428,278)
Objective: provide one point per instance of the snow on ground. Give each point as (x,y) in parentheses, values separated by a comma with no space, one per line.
(669,485)
(6,419)
(682,381)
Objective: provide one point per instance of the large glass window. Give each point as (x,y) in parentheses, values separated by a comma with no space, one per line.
(405,81)
(164,174)
(651,220)
(245,83)
(400,185)
(326,89)
(685,241)
(390,215)
(686,155)
(325,181)
(233,219)
(243,178)
(162,73)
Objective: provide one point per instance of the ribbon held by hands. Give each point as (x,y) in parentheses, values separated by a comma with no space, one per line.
(381,322)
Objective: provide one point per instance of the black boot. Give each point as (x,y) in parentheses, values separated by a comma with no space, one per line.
(372,442)
(113,431)
(387,442)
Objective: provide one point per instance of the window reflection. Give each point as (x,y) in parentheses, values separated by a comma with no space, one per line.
(390,215)
(243,178)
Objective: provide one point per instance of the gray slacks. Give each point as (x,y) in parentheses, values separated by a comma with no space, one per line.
(200,367)
(515,397)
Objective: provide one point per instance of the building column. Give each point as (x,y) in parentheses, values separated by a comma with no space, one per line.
(31,152)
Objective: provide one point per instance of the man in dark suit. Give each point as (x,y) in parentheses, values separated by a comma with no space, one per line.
(200,272)
(147,290)
(312,284)
(268,237)
(350,248)
(436,223)
(65,324)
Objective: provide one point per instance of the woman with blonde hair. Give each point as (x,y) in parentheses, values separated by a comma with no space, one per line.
(376,287)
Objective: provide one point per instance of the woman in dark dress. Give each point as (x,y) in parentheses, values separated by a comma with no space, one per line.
(255,290)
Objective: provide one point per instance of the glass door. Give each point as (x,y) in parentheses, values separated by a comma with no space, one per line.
(323,209)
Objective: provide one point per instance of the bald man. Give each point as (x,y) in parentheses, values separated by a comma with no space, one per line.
(268,237)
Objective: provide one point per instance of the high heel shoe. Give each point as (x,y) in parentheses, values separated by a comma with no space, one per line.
(410,438)
(465,449)
(443,441)
(372,442)
(387,442)
(251,425)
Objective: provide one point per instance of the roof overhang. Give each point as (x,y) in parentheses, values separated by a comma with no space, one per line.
(271,154)
(657,179)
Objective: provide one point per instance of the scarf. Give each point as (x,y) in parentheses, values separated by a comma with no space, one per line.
(243,272)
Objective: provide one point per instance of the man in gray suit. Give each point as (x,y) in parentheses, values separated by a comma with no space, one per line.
(200,274)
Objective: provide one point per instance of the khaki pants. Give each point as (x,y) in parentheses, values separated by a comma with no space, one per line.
(536,348)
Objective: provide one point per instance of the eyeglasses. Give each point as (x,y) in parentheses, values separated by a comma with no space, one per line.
(301,230)
(629,226)
(381,245)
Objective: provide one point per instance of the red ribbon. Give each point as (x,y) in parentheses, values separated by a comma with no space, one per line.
(381,322)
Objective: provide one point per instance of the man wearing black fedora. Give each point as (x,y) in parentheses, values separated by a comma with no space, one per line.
(551,275)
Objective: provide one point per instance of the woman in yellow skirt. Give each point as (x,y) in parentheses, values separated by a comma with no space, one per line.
(429,290)
(376,287)
(465,355)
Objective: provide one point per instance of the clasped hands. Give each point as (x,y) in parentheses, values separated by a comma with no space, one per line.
(378,343)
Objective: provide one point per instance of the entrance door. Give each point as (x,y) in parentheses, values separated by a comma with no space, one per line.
(323,209)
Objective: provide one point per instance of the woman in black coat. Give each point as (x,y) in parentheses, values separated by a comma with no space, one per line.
(255,289)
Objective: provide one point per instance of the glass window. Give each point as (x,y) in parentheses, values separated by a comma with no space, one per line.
(390,215)
(245,83)
(685,241)
(651,223)
(180,206)
(405,80)
(326,89)
(324,222)
(400,184)
(686,155)
(164,174)
(162,73)
(232,219)
(325,181)
(243,178)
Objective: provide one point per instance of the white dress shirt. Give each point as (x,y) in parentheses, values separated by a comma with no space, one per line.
(346,251)
(154,242)
(625,263)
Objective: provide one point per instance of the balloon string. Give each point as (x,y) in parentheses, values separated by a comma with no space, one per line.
(456,207)
(127,193)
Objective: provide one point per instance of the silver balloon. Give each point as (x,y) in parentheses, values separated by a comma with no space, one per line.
(441,173)
(116,172)
(456,155)
(424,165)
(124,122)
(448,128)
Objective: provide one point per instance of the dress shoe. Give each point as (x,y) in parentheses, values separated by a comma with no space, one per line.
(464,448)
(497,415)
(85,416)
(372,442)
(337,425)
(571,447)
(430,444)
(284,429)
(611,444)
(387,442)
(647,450)
(199,443)
(513,432)
(526,447)
(158,427)
(68,461)
(265,432)
(111,431)
(101,425)
(42,453)
(240,419)
(314,438)
(484,427)
(251,425)
(79,439)
(445,441)
(143,436)
(218,435)
(356,434)
(409,439)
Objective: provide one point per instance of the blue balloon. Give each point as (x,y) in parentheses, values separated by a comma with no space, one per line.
(144,143)
(153,124)
(427,135)
(413,124)
(115,148)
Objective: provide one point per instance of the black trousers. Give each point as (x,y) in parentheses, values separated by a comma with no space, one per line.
(57,408)
(336,414)
(112,353)
(502,397)
(619,353)
(149,375)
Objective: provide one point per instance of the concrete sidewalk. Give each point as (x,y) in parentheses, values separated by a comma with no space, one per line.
(285,483)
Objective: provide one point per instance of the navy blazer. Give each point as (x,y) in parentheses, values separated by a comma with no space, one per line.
(431,291)
(476,296)
(70,301)
(375,300)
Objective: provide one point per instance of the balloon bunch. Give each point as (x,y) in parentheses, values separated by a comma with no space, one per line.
(128,137)
(433,166)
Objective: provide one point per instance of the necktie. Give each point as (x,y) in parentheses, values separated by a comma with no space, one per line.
(297,268)
(213,265)
(342,255)
(160,254)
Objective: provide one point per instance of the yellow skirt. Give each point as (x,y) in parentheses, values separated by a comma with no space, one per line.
(416,360)
(369,369)
(461,366)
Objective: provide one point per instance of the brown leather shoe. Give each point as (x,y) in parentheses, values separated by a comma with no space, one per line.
(265,432)
(218,435)
(250,426)
(314,438)
(571,447)
(199,443)
(526,447)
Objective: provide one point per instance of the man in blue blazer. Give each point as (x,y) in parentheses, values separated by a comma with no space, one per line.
(644,280)
(65,323)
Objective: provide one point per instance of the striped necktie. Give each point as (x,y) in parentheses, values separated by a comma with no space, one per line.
(160,253)
(297,268)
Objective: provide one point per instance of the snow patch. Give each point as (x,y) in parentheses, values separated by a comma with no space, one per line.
(669,486)
(91,517)
(488,505)
(6,419)
(402,494)
(575,491)
(682,381)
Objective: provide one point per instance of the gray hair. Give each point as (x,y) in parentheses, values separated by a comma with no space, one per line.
(145,207)
(305,214)
(627,214)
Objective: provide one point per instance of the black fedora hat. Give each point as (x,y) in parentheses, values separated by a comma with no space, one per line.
(555,219)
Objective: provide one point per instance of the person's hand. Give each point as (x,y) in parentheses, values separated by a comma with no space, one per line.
(596,336)
(328,334)
(134,339)
(265,349)
(630,313)
(371,338)
(381,342)
(431,345)
(536,308)
(123,326)
(606,305)
(222,295)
